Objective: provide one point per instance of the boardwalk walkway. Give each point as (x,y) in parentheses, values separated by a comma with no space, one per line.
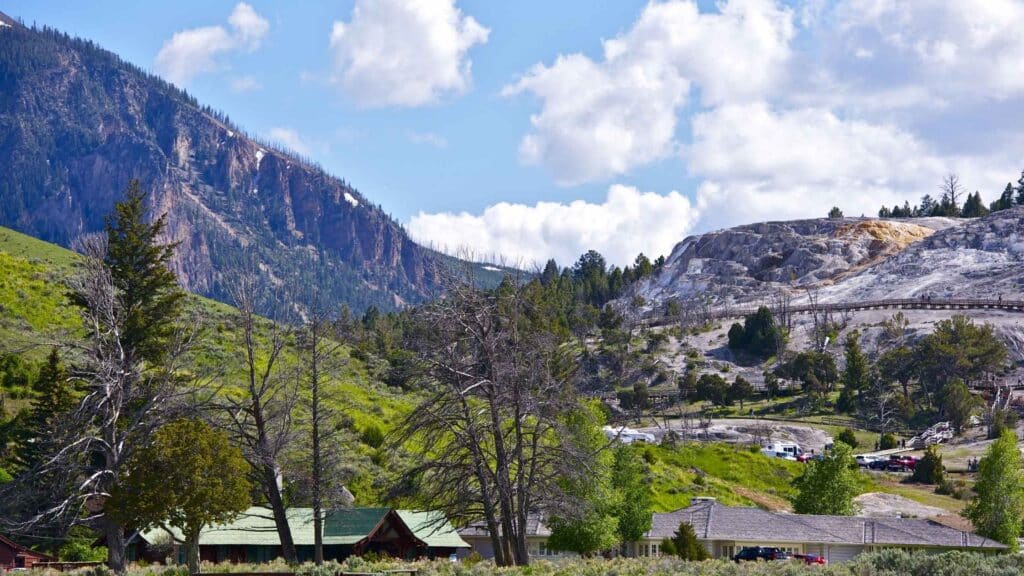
(890,304)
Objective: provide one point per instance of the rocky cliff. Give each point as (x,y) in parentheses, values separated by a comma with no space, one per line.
(847,260)
(77,124)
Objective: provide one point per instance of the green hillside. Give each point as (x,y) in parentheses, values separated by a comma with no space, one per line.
(35,313)
(34,310)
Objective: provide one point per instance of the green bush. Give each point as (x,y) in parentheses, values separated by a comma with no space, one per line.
(887,441)
(848,437)
(929,469)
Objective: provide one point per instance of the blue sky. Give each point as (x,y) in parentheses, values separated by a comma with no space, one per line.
(542,129)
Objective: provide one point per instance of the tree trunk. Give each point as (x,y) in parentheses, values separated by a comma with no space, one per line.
(318,536)
(117,557)
(192,553)
(284,530)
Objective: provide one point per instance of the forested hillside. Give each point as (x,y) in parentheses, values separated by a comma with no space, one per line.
(77,123)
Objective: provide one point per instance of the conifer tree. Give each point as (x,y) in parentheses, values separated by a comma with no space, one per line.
(139,263)
(53,399)
(686,544)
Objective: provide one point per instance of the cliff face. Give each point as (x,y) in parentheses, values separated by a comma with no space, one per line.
(748,263)
(77,124)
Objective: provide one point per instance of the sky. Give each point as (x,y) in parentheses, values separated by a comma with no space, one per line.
(533,129)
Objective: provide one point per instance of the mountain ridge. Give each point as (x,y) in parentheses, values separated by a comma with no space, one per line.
(77,123)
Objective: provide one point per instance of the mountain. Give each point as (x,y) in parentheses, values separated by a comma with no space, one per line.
(846,260)
(77,123)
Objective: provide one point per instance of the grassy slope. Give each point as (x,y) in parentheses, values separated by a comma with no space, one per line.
(35,311)
(733,476)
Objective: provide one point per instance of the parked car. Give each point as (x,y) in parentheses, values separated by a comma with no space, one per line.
(899,463)
(752,553)
(810,559)
(880,464)
(864,461)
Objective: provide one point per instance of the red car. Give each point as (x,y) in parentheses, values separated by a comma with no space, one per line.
(810,559)
(899,463)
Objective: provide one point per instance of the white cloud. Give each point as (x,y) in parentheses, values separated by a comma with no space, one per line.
(196,51)
(971,48)
(290,139)
(428,138)
(401,53)
(245,84)
(601,118)
(758,164)
(626,223)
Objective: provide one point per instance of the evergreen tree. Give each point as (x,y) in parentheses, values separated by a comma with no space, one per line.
(835,212)
(997,509)
(974,207)
(642,267)
(740,391)
(1020,189)
(827,486)
(53,399)
(688,384)
(927,206)
(929,469)
(1005,200)
(855,374)
(550,274)
(713,388)
(884,212)
(957,404)
(139,266)
(686,544)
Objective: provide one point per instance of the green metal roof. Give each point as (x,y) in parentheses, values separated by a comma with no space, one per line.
(342,526)
(433,528)
(350,525)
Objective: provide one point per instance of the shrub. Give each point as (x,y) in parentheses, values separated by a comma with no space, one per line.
(929,469)
(668,547)
(887,441)
(848,437)
(373,436)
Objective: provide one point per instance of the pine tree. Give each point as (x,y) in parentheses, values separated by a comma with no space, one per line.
(835,212)
(1020,189)
(855,375)
(686,544)
(53,399)
(1005,199)
(139,265)
(973,206)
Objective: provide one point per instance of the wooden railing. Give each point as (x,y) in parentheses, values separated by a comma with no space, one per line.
(890,303)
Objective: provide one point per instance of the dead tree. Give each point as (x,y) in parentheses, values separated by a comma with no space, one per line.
(321,363)
(879,407)
(493,437)
(260,417)
(952,189)
(125,399)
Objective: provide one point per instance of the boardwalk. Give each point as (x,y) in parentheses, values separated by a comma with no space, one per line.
(890,304)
